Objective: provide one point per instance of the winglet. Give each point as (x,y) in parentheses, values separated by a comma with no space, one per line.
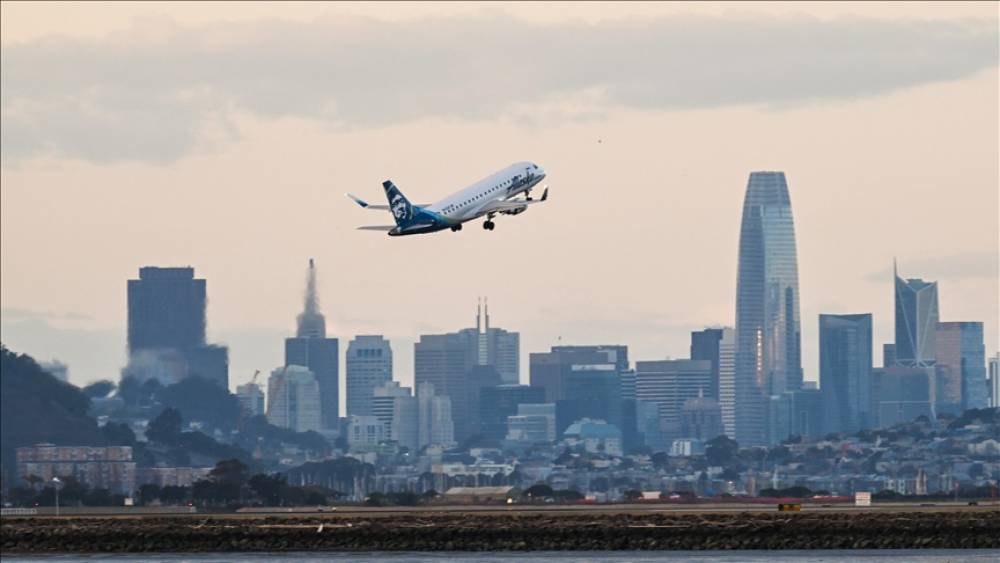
(545,194)
(358,200)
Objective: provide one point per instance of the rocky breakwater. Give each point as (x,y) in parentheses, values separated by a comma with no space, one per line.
(481,532)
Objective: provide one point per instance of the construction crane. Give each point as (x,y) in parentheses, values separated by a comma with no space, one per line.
(242,416)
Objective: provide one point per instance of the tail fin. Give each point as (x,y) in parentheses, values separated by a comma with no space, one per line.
(402,209)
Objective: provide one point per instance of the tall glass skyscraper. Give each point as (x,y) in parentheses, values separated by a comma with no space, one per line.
(768,356)
(916,321)
(845,371)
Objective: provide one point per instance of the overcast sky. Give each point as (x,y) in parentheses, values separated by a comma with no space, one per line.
(223,137)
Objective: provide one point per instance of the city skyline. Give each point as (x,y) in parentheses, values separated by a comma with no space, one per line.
(853,212)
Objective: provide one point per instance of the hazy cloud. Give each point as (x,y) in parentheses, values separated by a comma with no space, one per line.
(158,91)
(18,314)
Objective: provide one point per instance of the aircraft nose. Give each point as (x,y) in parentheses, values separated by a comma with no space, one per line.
(540,173)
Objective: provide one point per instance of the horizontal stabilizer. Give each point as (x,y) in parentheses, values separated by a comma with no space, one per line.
(383,228)
(365,204)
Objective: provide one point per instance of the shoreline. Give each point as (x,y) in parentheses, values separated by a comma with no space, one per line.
(470,532)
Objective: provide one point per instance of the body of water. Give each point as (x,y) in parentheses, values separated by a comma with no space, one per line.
(818,556)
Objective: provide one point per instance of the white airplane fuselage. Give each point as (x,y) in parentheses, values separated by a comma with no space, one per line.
(490,196)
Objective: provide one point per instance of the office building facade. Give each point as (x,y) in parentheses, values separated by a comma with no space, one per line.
(368,365)
(293,399)
(960,367)
(845,371)
(166,329)
(500,402)
(460,364)
(902,394)
(668,384)
(251,398)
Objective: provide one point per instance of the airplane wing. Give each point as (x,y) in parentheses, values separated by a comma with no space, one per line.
(384,228)
(512,206)
(365,205)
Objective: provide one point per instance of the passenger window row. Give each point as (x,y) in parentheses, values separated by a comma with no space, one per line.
(453,207)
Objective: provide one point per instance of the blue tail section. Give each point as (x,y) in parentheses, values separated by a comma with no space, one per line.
(402,209)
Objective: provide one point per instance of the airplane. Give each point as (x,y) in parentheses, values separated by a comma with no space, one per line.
(495,194)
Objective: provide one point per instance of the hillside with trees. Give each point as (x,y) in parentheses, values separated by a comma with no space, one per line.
(36,407)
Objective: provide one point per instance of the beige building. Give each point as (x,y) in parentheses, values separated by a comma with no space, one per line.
(106,467)
(293,399)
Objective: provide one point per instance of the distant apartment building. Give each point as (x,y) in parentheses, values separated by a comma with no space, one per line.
(369,365)
(436,427)
(365,432)
(396,408)
(104,467)
(251,398)
(293,399)
(960,367)
(166,329)
(533,424)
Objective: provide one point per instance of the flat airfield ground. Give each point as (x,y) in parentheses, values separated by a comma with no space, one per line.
(344,511)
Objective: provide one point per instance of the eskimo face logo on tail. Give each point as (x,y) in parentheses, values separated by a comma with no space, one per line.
(400,209)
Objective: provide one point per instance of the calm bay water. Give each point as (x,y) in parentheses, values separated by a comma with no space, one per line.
(863,556)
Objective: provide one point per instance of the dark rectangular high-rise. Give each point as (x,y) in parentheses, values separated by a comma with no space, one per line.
(845,371)
(705,345)
(166,309)
(550,370)
(500,402)
(166,329)
(592,391)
